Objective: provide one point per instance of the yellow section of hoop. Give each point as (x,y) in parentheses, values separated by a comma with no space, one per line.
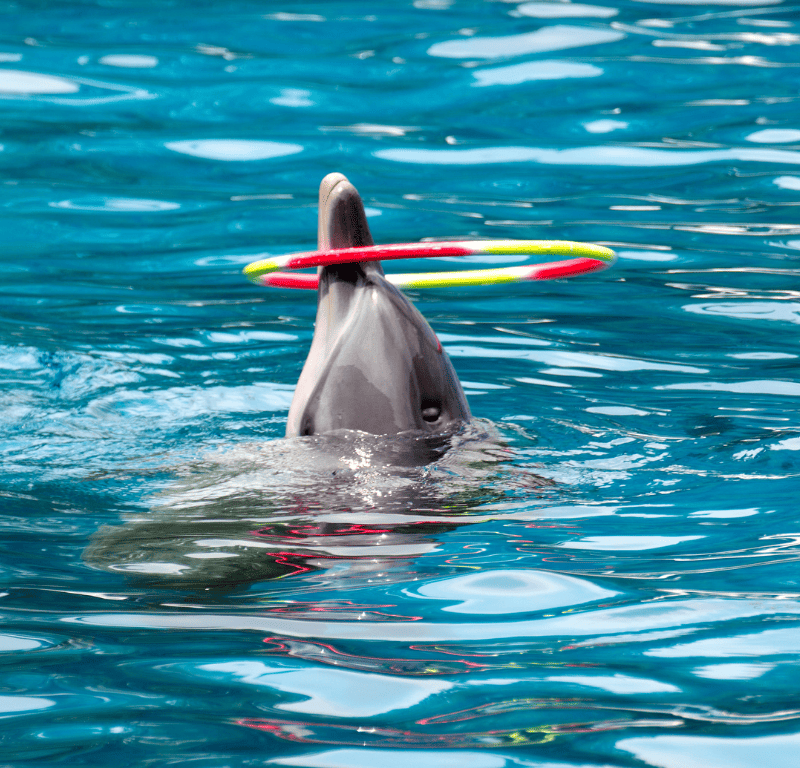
(543,248)
(463,278)
(256,269)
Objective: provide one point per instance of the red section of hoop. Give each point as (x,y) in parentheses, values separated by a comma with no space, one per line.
(290,280)
(375,253)
(557,269)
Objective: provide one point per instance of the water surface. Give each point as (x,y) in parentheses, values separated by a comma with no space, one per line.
(602,571)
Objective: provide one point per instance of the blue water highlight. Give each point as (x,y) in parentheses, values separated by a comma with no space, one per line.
(600,571)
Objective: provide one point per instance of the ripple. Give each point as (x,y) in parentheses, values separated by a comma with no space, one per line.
(129,60)
(616,410)
(770,642)
(787,182)
(762,356)
(787,312)
(11,643)
(18,82)
(647,255)
(57,90)
(623,684)
(234,150)
(714,752)
(329,692)
(668,614)
(293,97)
(733,671)
(542,382)
(117,205)
(512,591)
(725,513)
(181,403)
(534,70)
(16,704)
(284,16)
(605,125)
(775,136)
(242,337)
(423,758)
(624,157)
(19,358)
(150,568)
(634,543)
(761,387)
(566,359)
(790,444)
(211,338)
(564,10)
(714,2)
(551,38)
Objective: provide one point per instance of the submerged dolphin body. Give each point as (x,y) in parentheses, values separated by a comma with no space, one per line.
(375,365)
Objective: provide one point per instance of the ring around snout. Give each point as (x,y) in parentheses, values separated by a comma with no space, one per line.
(375,365)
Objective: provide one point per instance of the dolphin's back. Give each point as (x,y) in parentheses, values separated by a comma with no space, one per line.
(375,365)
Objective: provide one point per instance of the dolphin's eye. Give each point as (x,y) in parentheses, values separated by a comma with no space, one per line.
(431,412)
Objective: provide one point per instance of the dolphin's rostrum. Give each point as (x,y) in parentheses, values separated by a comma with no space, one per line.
(375,365)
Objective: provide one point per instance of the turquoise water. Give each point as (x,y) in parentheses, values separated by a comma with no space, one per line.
(602,572)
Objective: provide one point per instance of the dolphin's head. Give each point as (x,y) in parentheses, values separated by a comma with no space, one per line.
(375,365)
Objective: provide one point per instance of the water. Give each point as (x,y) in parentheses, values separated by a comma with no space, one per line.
(602,571)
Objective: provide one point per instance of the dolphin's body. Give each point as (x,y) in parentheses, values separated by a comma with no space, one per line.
(375,365)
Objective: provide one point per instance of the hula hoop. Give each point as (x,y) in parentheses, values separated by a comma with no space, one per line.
(585,258)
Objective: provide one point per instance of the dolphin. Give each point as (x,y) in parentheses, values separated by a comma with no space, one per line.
(388,469)
(375,365)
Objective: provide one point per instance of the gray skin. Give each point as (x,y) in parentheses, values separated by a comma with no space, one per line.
(375,365)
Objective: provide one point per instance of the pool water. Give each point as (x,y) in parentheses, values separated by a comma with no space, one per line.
(603,568)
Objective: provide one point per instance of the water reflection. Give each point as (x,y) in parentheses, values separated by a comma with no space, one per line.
(714,752)
(564,10)
(129,60)
(291,506)
(535,70)
(508,590)
(423,758)
(553,38)
(234,150)
(19,84)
